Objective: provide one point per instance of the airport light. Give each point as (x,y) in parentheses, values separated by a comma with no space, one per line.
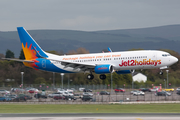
(22,78)
(53,80)
(167,79)
(111,84)
(68,81)
(165,83)
(160,86)
(62,74)
(132,81)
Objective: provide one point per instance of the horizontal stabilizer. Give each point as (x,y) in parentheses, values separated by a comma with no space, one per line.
(19,60)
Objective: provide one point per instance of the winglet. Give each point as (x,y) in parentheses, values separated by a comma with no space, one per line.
(109,49)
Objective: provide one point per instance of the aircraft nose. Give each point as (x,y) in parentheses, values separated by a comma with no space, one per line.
(174,59)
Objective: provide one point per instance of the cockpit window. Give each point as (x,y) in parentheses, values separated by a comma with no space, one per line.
(165,55)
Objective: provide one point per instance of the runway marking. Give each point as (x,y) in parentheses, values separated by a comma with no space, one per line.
(139,119)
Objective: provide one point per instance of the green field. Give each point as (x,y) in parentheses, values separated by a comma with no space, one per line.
(118,108)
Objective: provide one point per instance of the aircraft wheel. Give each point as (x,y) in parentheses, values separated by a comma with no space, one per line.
(102,77)
(90,76)
(161,72)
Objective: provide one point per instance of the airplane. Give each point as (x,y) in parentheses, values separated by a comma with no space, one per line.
(99,63)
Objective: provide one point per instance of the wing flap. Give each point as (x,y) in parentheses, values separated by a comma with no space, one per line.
(75,65)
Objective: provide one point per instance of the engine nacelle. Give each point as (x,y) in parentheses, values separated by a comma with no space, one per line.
(102,69)
(123,72)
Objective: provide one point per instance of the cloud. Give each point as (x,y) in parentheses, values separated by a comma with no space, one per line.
(88,15)
(84,21)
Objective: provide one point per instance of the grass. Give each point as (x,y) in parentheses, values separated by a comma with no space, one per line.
(57,108)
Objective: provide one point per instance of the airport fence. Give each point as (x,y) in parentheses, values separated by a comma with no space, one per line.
(126,96)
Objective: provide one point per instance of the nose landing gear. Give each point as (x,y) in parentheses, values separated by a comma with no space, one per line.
(161,72)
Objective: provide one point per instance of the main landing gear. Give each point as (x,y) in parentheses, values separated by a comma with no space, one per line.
(91,76)
(102,77)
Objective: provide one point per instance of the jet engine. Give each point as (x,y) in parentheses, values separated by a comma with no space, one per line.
(102,69)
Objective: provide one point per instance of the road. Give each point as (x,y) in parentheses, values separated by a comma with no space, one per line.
(92,116)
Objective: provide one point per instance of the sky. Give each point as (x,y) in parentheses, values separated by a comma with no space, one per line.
(87,15)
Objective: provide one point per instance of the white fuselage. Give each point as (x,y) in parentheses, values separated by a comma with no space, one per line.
(128,60)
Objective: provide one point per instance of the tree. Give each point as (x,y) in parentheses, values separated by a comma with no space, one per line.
(9,54)
(120,79)
(21,56)
(82,51)
(53,52)
(1,55)
(78,51)
(40,80)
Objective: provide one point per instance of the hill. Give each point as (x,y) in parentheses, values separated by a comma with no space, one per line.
(162,37)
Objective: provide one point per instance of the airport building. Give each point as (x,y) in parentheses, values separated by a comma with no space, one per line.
(139,77)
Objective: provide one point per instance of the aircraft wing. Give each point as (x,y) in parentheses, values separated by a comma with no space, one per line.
(75,65)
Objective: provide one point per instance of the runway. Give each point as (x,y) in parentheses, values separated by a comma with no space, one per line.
(92,116)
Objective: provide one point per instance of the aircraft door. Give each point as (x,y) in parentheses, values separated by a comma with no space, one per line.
(154,56)
(43,63)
